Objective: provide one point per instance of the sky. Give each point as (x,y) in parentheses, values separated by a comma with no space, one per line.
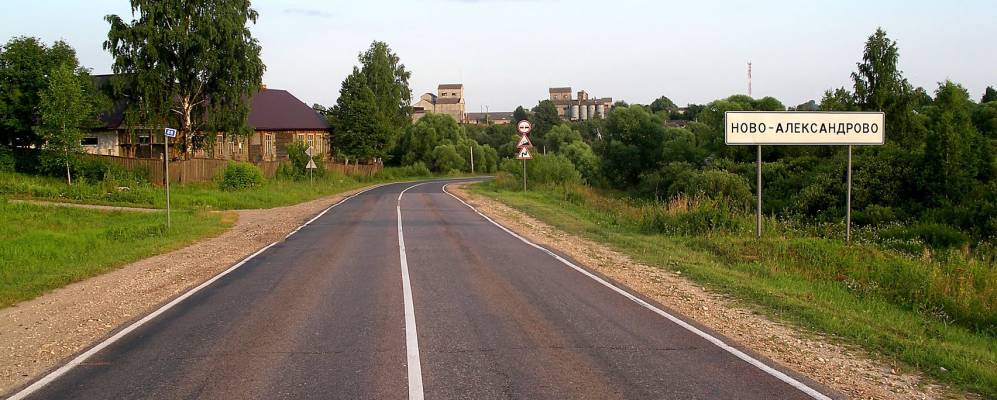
(509,52)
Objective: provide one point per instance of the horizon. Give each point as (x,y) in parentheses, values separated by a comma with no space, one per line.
(310,46)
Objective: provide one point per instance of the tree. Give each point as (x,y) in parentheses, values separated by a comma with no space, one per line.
(954,159)
(388,79)
(663,104)
(446,158)
(632,144)
(417,142)
(520,114)
(584,160)
(543,119)
(64,108)
(808,106)
(189,63)
(838,100)
(990,94)
(358,128)
(985,119)
(559,136)
(880,85)
(25,66)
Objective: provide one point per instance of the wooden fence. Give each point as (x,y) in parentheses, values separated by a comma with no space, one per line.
(206,169)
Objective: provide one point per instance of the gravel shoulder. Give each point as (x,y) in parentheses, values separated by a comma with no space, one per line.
(847,369)
(43,333)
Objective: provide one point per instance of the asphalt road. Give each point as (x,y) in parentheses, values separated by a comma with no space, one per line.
(465,311)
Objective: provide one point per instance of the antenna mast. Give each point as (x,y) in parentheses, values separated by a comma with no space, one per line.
(749,79)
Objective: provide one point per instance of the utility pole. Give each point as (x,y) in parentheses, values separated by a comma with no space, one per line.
(472,158)
(749,78)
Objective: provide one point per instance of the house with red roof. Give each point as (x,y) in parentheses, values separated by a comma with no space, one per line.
(276,117)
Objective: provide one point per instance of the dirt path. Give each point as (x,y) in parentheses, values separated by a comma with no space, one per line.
(41,334)
(849,370)
(87,206)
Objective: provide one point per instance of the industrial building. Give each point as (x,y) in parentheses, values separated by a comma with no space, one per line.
(581,108)
(448,100)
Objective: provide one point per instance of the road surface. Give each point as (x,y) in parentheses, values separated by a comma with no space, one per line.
(465,310)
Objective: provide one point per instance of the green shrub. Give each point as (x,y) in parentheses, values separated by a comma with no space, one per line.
(241,175)
(6,159)
(820,198)
(874,215)
(543,170)
(417,170)
(445,158)
(297,165)
(938,236)
(684,215)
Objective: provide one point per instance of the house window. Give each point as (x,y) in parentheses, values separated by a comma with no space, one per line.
(269,146)
(444,94)
(88,141)
(143,139)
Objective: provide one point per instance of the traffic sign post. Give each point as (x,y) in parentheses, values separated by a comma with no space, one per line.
(786,128)
(311,164)
(167,134)
(524,145)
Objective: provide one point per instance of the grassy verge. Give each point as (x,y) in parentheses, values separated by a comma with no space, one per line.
(934,314)
(43,248)
(273,193)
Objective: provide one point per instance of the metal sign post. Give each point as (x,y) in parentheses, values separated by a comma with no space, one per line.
(787,128)
(311,164)
(472,159)
(848,201)
(758,208)
(524,145)
(167,134)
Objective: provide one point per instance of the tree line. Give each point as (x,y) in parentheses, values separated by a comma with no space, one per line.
(936,170)
(937,165)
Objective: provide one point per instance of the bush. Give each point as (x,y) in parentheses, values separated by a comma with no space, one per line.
(874,215)
(417,170)
(938,236)
(543,170)
(297,167)
(684,215)
(446,159)
(241,175)
(6,159)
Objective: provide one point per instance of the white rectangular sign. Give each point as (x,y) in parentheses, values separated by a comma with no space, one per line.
(804,128)
(170,132)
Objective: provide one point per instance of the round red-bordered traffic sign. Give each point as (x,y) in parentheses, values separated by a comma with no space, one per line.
(524,127)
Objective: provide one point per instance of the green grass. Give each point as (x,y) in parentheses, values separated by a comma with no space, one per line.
(925,313)
(43,248)
(273,193)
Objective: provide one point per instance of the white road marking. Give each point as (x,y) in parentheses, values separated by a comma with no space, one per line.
(52,376)
(415,391)
(712,339)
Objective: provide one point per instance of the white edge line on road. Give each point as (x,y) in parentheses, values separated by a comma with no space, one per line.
(712,339)
(52,376)
(415,391)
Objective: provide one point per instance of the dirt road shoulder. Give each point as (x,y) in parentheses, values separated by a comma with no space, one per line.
(41,334)
(849,370)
